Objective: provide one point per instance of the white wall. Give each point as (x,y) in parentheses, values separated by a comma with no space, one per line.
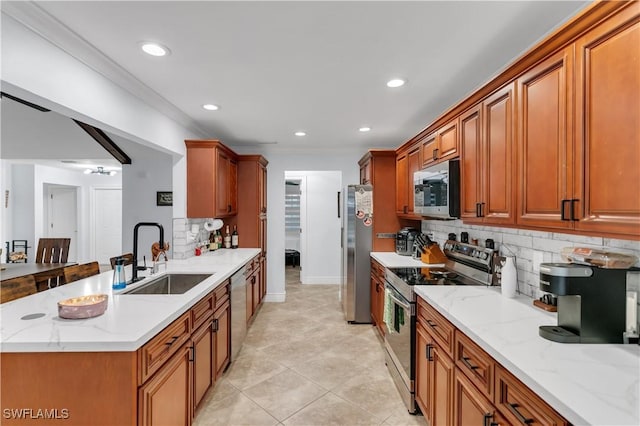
(36,70)
(150,171)
(27,205)
(279,162)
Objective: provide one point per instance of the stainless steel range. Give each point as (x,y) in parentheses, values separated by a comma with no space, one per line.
(466,265)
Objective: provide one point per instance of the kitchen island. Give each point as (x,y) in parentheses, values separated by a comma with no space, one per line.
(92,371)
(597,384)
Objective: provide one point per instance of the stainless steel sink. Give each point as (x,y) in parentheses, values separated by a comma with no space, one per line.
(170,284)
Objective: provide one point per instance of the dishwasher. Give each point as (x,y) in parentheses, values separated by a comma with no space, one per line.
(238,311)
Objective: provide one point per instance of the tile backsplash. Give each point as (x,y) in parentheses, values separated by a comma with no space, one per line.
(533,246)
(183,244)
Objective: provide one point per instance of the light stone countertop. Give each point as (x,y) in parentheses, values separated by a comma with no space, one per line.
(393,260)
(129,321)
(596,384)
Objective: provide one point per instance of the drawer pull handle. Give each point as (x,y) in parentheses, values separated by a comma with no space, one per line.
(465,361)
(214,325)
(192,353)
(486,418)
(432,324)
(173,339)
(429,356)
(514,409)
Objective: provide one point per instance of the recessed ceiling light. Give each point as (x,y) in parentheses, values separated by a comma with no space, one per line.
(154,49)
(210,107)
(364,129)
(300,134)
(396,82)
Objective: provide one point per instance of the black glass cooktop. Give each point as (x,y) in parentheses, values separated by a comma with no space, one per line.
(431,276)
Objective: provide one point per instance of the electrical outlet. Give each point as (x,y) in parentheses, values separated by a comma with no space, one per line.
(538,258)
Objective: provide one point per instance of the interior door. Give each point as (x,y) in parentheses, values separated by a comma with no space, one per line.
(107,227)
(62,216)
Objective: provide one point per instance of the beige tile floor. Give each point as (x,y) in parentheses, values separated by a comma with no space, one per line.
(302,364)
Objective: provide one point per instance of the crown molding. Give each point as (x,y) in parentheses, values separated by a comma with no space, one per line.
(36,19)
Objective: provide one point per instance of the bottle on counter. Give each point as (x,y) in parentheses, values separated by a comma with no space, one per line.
(509,278)
(227,238)
(234,237)
(119,281)
(218,239)
(212,241)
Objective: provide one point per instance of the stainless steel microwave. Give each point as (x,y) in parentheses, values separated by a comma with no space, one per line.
(436,190)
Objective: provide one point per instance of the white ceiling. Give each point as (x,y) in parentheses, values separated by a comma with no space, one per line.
(278,67)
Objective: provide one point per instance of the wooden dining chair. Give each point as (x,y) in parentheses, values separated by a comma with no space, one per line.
(52,250)
(18,287)
(128,260)
(78,272)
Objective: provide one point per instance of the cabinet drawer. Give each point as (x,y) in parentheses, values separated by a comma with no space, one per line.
(377,269)
(519,405)
(159,349)
(221,294)
(437,325)
(202,310)
(475,363)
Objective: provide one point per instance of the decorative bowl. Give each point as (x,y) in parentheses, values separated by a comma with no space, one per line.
(83,306)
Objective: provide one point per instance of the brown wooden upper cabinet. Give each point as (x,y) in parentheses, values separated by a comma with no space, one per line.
(407,163)
(607,117)
(590,184)
(212,179)
(545,151)
(440,145)
(487,160)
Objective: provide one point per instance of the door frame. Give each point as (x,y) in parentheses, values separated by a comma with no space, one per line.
(74,253)
(92,215)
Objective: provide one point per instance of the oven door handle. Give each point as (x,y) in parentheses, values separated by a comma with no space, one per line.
(395,299)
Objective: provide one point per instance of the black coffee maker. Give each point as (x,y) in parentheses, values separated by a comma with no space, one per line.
(591,303)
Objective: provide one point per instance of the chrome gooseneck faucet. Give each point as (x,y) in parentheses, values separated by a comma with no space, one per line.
(137,268)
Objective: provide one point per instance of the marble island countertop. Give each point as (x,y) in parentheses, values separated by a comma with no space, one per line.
(129,321)
(597,384)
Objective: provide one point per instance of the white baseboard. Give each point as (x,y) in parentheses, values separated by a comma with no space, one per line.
(275,297)
(322,280)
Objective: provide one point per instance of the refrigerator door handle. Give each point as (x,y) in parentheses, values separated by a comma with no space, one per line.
(338,204)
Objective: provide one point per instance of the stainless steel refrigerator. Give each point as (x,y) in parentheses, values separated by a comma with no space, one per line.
(357,218)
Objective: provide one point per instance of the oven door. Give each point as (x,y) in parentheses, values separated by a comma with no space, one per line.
(399,319)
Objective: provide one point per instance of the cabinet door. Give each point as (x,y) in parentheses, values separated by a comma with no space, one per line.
(222,327)
(380,294)
(470,407)
(423,348)
(373,288)
(608,127)
(471,180)
(441,387)
(429,146)
(166,398)
(497,204)
(448,140)
(414,164)
(402,184)
(232,190)
(203,361)
(262,188)
(223,168)
(545,148)
(255,284)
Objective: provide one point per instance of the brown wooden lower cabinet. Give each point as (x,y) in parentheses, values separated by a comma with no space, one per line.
(466,386)
(434,377)
(471,407)
(377,296)
(222,339)
(203,360)
(255,288)
(165,399)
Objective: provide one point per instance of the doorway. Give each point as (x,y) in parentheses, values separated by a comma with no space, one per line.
(319,225)
(62,215)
